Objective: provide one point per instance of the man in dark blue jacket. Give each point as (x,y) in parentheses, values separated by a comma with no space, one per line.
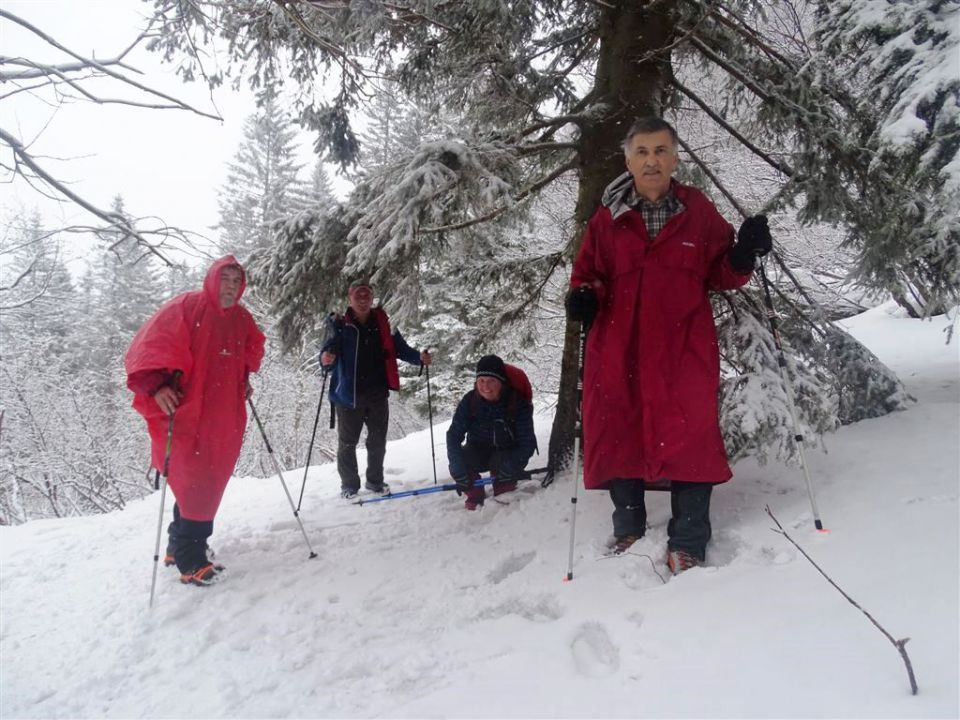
(364,355)
(498,425)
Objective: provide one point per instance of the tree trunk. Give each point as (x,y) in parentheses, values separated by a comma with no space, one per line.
(629,82)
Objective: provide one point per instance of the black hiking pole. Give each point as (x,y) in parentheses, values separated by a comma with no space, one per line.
(578,429)
(433,453)
(788,387)
(781,358)
(276,466)
(313,436)
(163,494)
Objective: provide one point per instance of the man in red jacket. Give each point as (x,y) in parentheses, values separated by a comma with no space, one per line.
(192,360)
(640,283)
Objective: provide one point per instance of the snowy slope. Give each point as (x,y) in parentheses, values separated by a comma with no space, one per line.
(417,608)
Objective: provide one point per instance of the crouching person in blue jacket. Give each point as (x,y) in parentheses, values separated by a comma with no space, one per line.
(496,418)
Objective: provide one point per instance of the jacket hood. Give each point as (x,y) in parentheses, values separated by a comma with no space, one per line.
(616,193)
(211,283)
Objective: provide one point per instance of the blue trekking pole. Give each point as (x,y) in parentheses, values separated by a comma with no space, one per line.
(430,489)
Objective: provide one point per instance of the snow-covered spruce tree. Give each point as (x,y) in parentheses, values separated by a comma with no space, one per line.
(868,94)
(316,195)
(540,89)
(903,56)
(262,182)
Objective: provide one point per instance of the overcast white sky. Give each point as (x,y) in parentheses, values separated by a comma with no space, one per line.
(166,163)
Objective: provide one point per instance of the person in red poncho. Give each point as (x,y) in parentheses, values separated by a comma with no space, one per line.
(193,360)
(649,257)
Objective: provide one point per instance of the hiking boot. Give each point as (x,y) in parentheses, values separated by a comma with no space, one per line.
(499,488)
(381,489)
(475,497)
(349,493)
(622,543)
(678,561)
(203,576)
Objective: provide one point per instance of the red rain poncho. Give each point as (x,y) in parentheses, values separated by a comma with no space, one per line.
(652,368)
(215,349)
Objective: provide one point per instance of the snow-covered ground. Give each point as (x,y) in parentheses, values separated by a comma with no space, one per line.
(417,608)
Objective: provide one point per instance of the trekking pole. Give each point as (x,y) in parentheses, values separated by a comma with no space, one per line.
(276,466)
(430,489)
(433,453)
(788,387)
(163,494)
(578,429)
(772,316)
(316,421)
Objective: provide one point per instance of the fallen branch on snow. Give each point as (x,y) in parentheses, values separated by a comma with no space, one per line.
(900,645)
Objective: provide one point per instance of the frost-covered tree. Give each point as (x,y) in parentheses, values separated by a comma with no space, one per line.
(62,451)
(36,291)
(316,195)
(537,92)
(262,183)
(904,216)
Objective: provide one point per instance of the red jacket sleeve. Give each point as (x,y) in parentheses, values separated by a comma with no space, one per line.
(162,344)
(253,352)
(587,268)
(722,276)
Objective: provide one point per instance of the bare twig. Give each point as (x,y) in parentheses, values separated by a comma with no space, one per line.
(97,65)
(900,645)
(22,155)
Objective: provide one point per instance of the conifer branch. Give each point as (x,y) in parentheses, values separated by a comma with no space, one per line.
(321,42)
(900,645)
(540,184)
(532,148)
(713,178)
(778,166)
(753,36)
(554,122)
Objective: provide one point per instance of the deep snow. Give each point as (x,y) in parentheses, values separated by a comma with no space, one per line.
(417,608)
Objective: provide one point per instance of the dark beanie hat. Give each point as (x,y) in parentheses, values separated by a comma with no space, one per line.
(492,366)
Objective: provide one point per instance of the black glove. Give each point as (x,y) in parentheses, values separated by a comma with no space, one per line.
(753,241)
(463,484)
(581,304)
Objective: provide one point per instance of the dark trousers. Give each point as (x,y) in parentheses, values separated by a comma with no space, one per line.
(479,458)
(372,410)
(188,541)
(689,527)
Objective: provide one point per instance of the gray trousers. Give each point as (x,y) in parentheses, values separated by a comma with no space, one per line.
(372,410)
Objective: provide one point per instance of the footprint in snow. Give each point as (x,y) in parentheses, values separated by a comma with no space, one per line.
(544,608)
(509,566)
(594,653)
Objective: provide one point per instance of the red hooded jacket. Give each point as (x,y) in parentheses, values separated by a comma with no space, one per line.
(652,367)
(215,349)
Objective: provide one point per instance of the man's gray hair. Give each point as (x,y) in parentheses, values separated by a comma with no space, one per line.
(647,125)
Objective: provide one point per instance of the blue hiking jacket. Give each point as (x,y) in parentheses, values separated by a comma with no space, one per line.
(343,339)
